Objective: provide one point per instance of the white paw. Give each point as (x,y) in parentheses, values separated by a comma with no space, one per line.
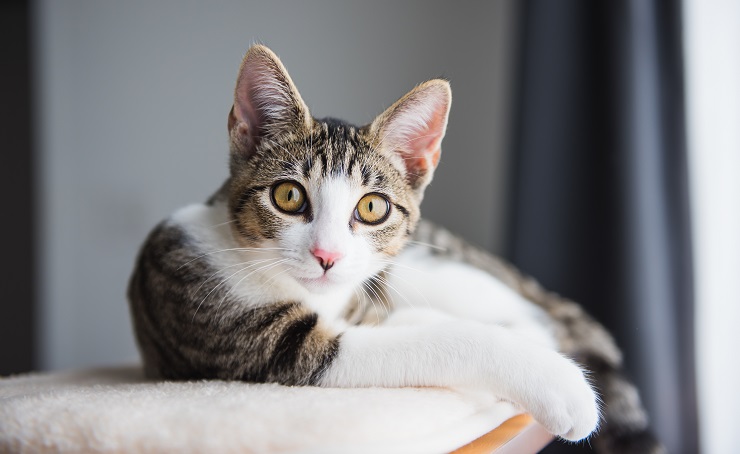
(561,399)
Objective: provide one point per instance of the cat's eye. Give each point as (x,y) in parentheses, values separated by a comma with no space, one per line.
(289,197)
(372,209)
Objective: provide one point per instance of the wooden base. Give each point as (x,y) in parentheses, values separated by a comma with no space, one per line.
(518,435)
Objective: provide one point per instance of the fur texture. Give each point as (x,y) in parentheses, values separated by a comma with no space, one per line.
(286,276)
(117,410)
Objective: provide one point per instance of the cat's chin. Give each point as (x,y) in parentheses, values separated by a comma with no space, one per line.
(322,284)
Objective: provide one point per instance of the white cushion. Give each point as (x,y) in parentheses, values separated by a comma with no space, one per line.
(117,410)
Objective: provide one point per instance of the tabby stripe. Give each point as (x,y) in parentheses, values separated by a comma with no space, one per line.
(285,355)
(246,196)
(324,163)
(259,326)
(403,210)
(260,319)
(167,261)
(171,363)
(306,168)
(242,229)
(288,166)
(352,162)
(328,355)
(366,175)
(337,164)
(153,331)
(338,167)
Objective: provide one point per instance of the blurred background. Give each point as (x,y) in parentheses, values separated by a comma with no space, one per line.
(599,140)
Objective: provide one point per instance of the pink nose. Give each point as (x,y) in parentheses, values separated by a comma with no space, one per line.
(326,258)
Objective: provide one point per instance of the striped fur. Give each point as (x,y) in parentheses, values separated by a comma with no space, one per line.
(232,289)
(281,342)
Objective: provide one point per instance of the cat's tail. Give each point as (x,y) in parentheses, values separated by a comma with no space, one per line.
(624,427)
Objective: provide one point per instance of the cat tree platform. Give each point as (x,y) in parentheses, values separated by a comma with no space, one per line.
(113,410)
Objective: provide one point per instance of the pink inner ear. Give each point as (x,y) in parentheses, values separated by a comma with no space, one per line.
(420,132)
(245,111)
(425,157)
(257,93)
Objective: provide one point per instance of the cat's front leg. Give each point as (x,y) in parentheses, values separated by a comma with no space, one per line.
(550,387)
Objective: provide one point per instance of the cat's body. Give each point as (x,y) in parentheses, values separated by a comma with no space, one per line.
(310,266)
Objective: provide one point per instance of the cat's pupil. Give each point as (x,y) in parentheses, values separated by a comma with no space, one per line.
(370,206)
(290,195)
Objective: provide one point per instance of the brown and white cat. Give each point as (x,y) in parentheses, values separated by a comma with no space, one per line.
(311,266)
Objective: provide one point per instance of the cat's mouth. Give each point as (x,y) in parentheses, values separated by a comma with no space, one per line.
(322,283)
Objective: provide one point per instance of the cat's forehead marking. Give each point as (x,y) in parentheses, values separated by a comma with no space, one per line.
(336,146)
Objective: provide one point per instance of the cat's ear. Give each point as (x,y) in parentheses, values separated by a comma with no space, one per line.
(411,130)
(266,102)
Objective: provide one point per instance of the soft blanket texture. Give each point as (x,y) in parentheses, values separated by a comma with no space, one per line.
(118,410)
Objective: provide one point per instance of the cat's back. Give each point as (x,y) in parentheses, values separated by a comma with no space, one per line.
(442,265)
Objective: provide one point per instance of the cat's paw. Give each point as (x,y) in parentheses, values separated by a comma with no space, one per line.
(562,400)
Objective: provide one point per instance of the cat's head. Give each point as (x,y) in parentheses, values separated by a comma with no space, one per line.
(337,201)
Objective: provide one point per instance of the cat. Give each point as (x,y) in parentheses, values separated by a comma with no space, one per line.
(311,266)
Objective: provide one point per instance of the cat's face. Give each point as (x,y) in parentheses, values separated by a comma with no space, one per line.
(333,201)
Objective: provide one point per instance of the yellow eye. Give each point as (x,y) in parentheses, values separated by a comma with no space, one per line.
(289,197)
(372,209)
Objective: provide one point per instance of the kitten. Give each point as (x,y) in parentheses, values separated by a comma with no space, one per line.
(311,266)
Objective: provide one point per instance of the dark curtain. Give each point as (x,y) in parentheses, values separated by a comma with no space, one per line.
(16,186)
(599,184)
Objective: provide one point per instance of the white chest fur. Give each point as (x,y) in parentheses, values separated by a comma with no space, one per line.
(253,277)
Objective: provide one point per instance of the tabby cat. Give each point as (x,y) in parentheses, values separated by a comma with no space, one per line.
(311,266)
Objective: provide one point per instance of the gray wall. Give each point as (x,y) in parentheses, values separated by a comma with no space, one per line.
(132,107)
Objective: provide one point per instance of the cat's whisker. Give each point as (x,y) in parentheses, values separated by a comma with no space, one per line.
(386,283)
(415,287)
(393,263)
(250,262)
(252,265)
(367,286)
(377,289)
(261,269)
(430,245)
(361,303)
(216,287)
(240,249)
(381,301)
(370,299)
(221,224)
(273,277)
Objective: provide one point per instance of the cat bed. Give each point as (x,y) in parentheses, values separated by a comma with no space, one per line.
(118,410)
